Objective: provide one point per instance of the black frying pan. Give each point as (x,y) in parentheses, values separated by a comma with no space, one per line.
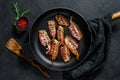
(39,51)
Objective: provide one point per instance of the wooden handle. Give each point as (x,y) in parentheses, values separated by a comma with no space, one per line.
(116,15)
(15,47)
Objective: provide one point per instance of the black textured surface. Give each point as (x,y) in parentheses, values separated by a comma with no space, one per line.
(12,67)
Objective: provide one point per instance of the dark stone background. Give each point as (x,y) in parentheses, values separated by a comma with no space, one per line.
(14,68)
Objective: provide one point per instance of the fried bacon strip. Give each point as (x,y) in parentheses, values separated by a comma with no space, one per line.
(52,28)
(61,20)
(72,45)
(44,38)
(54,50)
(60,34)
(75,30)
(65,53)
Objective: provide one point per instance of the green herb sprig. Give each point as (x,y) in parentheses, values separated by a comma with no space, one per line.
(16,9)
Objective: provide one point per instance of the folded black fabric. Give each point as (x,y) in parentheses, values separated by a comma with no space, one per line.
(101,31)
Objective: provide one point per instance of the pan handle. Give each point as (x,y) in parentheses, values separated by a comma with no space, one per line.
(116,15)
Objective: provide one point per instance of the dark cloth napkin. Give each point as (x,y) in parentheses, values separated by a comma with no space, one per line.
(101,32)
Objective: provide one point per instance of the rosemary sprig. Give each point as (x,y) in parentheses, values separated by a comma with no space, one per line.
(25,12)
(16,9)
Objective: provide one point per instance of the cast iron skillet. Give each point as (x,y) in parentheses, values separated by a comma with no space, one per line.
(39,51)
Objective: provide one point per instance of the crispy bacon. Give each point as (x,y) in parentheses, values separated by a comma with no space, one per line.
(72,45)
(60,34)
(44,38)
(65,53)
(75,30)
(52,28)
(61,20)
(54,50)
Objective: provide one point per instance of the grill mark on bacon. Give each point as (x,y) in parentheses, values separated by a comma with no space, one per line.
(61,20)
(60,34)
(52,28)
(75,30)
(54,50)
(65,53)
(44,38)
(72,45)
